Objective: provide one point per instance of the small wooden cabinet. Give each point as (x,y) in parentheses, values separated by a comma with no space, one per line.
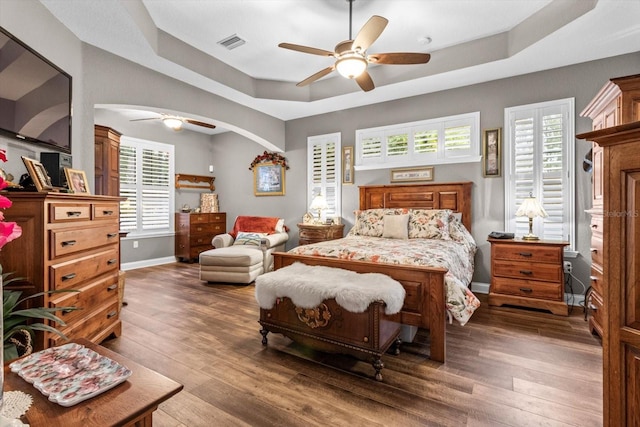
(194,232)
(68,242)
(107,161)
(528,274)
(314,233)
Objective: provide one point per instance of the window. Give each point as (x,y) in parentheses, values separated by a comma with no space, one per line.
(454,139)
(146,171)
(324,173)
(539,159)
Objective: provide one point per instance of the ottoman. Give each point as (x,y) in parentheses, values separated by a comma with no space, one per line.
(233,264)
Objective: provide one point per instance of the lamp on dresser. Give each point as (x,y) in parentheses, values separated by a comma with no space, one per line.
(531,208)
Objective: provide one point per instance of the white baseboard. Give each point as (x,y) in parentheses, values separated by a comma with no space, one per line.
(479,287)
(147,263)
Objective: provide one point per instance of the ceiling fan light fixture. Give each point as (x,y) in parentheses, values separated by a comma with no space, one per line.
(351,65)
(172,123)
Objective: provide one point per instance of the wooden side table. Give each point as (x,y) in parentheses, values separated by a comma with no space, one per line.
(128,404)
(528,274)
(314,233)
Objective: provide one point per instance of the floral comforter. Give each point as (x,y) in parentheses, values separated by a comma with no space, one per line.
(449,254)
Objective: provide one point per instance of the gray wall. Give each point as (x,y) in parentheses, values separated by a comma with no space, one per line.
(102,78)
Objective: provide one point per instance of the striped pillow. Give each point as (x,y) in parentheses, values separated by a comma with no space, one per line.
(253,239)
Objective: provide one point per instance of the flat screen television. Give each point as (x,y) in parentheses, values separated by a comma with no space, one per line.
(35,96)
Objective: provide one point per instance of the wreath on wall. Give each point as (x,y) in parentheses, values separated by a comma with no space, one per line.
(267,157)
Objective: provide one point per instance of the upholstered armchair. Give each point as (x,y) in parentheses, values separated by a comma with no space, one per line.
(245,252)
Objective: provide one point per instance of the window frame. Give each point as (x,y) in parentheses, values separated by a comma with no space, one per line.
(139,145)
(536,110)
(324,140)
(442,155)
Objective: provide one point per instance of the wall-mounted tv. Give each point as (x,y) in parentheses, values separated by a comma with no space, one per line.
(35,96)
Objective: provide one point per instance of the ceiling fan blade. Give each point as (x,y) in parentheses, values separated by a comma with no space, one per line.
(199,123)
(306,49)
(316,76)
(399,58)
(148,118)
(365,82)
(369,33)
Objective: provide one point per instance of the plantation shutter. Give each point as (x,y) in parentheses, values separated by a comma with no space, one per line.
(146,171)
(539,160)
(324,166)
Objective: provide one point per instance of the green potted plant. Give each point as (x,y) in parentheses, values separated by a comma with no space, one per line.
(18,324)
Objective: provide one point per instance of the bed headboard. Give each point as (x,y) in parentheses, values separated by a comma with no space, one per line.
(448,195)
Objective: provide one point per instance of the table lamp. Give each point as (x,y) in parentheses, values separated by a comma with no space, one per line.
(319,203)
(531,208)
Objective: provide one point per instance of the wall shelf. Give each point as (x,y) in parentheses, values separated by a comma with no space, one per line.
(200,182)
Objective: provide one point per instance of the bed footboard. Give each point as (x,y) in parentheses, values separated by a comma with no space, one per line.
(424,304)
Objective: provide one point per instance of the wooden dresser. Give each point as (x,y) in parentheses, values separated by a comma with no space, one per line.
(194,232)
(314,233)
(69,242)
(618,102)
(528,274)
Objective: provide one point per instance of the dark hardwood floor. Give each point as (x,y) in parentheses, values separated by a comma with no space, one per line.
(506,367)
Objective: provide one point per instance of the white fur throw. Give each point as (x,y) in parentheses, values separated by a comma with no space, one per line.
(307,286)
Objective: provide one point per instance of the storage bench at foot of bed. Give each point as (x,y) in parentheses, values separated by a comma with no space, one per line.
(332,329)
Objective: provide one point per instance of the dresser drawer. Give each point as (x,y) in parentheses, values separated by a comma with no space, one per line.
(106,211)
(527,288)
(195,251)
(207,230)
(92,295)
(597,279)
(65,242)
(68,212)
(74,274)
(596,250)
(527,271)
(313,233)
(207,217)
(91,325)
(596,309)
(597,224)
(529,252)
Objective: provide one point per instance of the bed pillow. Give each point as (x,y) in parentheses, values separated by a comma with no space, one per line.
(251,239)
(396,226)
(370,222)
(429,224)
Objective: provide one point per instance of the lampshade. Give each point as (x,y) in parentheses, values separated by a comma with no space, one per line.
(351,65)
(172,123)
(531,208)
(319,202)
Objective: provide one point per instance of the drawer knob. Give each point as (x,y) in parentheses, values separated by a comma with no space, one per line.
(525,254)
(594,250)
(112,287)
(594,225)
(112,314)
(526,290)
(68,276)
(593,278)
(111,235)
(107,212)
(526,272)
(74,213)
(68,243)
(112,261)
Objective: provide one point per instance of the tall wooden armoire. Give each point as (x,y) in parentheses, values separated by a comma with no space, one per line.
(615,245)
(107,161)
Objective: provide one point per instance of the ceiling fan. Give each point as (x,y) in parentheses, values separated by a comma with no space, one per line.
(351,55)
(176,122)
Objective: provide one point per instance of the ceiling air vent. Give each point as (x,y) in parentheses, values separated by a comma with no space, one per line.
(232,42)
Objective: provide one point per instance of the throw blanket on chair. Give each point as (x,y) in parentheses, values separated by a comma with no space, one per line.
(307,286)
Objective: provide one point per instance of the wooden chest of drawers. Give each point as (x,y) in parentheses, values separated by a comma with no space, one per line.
(528,273)
(314,233)
(194,232)
(69,242)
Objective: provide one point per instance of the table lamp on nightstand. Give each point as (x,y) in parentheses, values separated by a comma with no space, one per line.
(531,208)
(319,203)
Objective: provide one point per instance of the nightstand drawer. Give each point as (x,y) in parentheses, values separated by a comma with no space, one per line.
(528,271)
(597,279)
(596,250)
(529,252)
(527,288)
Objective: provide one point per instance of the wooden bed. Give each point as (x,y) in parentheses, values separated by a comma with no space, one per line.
(424,304)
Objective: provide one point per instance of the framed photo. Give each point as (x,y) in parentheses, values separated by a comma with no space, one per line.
(38,174)
(77,181)
(412,174)
(347,165)
(492,153)
(268,179)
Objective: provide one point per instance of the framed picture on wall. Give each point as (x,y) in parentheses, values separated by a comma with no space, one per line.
(347,165)
(77,181)
(492,153)
(38,174)
(268,179)
(412,174)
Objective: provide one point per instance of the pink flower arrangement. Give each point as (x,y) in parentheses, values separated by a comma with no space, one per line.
(8,230)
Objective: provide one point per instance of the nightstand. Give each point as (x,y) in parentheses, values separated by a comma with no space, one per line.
(528,274)
(314,233)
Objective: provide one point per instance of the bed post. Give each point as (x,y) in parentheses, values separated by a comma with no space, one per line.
(437,317)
